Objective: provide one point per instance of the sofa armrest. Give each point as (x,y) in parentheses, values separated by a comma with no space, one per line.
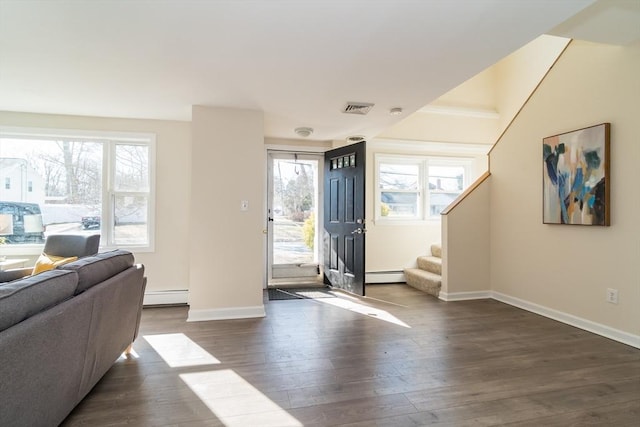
(14,274)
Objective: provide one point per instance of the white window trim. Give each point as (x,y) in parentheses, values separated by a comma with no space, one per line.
(424,162)
(112,138)
(399,159)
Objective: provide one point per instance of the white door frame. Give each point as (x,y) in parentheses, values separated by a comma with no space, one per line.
(273,152)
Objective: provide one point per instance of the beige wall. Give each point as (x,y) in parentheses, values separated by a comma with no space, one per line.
(444,128)
(166,267)
(568,268)
(226,244)
(465,244)
(518,74)
(477,92)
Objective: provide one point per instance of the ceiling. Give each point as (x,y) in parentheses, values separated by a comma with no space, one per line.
(299,61)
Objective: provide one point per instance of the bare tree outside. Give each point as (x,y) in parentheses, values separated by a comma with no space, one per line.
(72,170)
(132,167)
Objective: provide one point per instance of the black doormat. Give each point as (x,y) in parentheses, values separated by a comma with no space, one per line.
(298,293)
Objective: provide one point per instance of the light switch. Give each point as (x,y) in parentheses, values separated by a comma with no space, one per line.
(244,205)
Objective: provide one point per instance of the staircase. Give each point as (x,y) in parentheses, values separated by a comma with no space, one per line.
(428,276)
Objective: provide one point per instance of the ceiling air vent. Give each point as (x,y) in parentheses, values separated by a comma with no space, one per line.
(356,138)
(361,108)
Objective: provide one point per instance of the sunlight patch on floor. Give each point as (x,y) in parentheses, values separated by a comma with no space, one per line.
(179,350)
(312,294)
(235,402)
(353,305)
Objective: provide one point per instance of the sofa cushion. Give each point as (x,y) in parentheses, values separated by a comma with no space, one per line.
(98,268)
(26,297)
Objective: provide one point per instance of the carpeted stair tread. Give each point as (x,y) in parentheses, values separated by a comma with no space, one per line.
(436,250)
(425,281)
(430,263)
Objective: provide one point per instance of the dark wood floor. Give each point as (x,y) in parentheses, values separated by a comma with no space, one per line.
(312,363)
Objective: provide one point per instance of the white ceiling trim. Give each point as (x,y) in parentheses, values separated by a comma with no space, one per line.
(414,146)
(478,113)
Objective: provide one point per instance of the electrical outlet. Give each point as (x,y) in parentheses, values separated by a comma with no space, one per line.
(612,296)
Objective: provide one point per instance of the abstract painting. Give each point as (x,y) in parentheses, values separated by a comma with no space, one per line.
(576,177)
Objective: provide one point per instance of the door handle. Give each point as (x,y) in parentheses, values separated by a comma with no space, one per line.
(359,231)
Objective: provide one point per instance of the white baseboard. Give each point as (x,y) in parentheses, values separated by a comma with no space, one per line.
(166,297)
(384,277)
(569,319)
(463,296)
(226,313)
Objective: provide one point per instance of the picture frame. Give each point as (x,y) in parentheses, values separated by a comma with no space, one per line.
(576,177)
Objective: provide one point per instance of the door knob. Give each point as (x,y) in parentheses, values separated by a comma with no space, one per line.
(359,231)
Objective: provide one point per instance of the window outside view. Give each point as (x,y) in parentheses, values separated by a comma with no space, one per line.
(59,185)
(401,188)
(445,184)
(294,211)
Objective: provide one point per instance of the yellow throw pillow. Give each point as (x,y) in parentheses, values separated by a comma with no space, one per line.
(49,262)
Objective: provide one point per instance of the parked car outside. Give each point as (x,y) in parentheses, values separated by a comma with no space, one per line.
(90,222)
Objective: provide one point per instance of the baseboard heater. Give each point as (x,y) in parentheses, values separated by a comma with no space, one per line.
(373,277)
(179,297)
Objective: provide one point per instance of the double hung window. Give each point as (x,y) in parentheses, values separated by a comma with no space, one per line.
(399,189)
(415,188)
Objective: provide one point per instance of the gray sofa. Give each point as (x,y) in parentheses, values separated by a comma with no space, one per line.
(61,330)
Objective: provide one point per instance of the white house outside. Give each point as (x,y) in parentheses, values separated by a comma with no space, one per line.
(19,182)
